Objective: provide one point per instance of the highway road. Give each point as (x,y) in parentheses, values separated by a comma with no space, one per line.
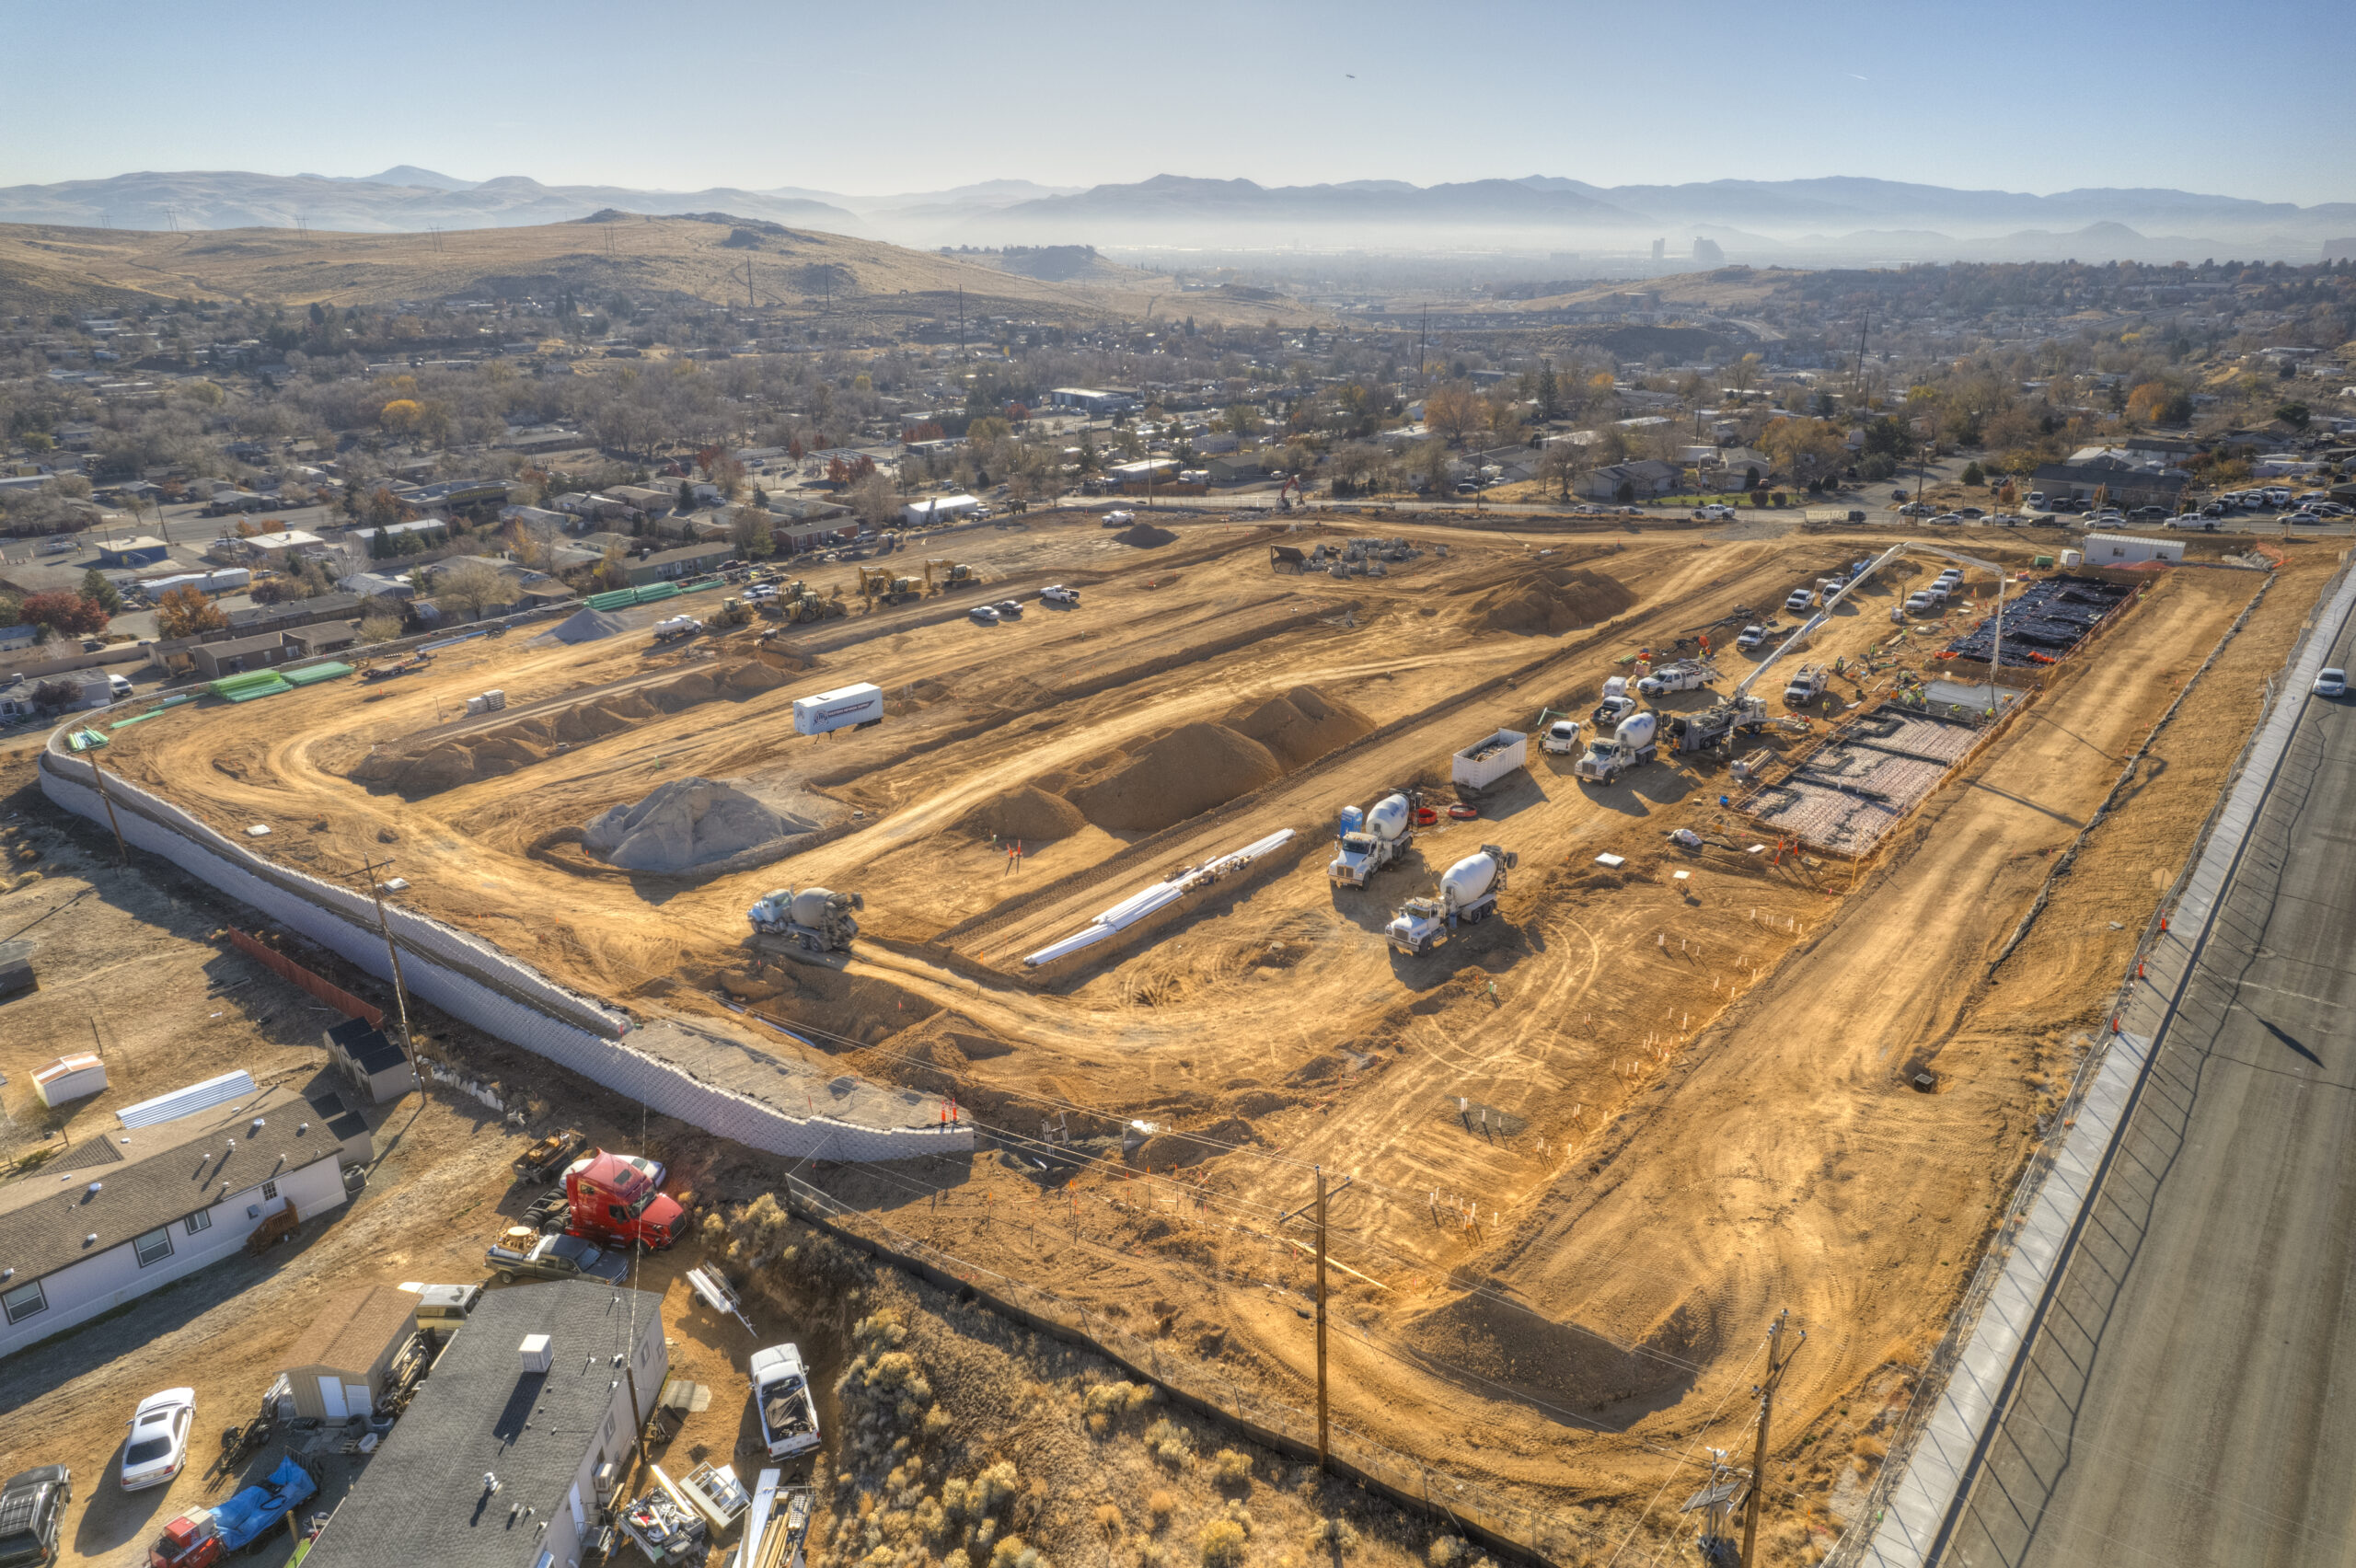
(2191,1399)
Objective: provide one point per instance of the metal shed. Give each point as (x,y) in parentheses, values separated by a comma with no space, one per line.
(69,1078)
(339,1368)
(377,1069)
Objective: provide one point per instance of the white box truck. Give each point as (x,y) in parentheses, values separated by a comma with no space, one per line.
(1484,762)
(842,709)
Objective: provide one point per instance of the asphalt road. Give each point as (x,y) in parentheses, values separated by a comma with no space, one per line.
(2193,1397)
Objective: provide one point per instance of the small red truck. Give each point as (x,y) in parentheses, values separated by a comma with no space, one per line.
(617,1200)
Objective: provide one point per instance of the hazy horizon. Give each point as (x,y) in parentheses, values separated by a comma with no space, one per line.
(1319,93)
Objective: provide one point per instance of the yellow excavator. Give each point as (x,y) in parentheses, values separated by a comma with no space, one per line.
(941,574)
(877,583)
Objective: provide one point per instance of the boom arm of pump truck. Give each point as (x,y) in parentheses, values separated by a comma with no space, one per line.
(1904,547)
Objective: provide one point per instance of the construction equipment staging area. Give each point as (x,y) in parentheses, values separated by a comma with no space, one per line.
(1560,1295)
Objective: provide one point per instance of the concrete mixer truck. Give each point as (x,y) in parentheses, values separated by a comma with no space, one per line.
(1378,838)
(1608,758)
(1468,895)
(813,919)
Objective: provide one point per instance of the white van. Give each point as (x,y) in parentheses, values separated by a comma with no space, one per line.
(118,688)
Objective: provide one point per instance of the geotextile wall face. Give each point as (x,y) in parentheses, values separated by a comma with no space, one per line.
(469,978)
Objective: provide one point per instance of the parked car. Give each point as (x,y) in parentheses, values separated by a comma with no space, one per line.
(1008,609)
(983,614)
(32,1512)
(157,1448)
(2037,500)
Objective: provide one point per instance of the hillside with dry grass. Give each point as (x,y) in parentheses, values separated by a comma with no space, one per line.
(45,267)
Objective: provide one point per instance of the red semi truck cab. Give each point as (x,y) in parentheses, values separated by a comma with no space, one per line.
(617,1201)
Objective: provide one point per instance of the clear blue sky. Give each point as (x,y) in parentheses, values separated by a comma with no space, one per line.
(914,95)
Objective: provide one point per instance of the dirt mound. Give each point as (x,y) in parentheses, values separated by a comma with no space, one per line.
(1301,726)
(1029,814)
(685,826)
(587,626)
(429,767)
(1550,602)
(1145,535)
(1582,1367)
(1183,774)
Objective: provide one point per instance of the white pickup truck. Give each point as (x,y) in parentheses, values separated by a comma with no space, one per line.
(1807,685)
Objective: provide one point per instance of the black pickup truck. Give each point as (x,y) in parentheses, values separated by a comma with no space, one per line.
(32,1512)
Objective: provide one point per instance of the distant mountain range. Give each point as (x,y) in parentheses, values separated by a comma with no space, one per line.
(1804,221)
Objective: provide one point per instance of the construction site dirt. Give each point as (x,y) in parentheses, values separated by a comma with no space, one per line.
(1592,1146)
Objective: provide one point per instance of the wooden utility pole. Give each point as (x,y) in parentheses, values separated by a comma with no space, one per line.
(1321,1319)
(393,954)
(98,774)
(1777,1360)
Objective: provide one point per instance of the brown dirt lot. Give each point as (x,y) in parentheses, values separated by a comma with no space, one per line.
(1594,1144)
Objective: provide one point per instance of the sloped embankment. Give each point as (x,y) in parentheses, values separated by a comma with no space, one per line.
(428,765)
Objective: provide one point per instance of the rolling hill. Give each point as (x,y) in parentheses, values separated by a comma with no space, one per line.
(45,267)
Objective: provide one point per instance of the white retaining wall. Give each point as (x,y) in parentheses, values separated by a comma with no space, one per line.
(471,979)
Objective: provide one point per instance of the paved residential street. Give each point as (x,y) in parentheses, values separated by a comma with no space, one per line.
(2191,1399)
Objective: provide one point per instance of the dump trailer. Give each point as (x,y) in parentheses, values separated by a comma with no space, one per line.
(1485,761)
(1681,675)
(813,919)
(1468,895)
(1629,745)
(550,1155)
(1367,843)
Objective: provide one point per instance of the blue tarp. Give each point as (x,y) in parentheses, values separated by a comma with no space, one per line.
(257,1508)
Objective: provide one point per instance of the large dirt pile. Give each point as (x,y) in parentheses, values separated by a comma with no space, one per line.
(1184,773)
(1028,813)
(1550,602)
(1190,770)
(1145,535)
(1576,1365)
(686,825)
(428,766)
(1301,725)
(586,625)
